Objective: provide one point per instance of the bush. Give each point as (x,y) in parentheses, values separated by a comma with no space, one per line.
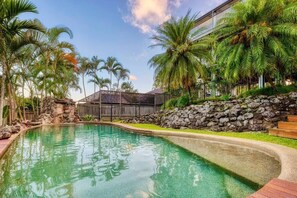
(225,97)
(269,91)
(170,104)
(88,118)
(183,101)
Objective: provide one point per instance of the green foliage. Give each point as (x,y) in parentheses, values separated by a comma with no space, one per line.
(269,91)
(170,104)
(183,101)
(257,37)
(184,57)
(88,118)
(201,101)
(226,97)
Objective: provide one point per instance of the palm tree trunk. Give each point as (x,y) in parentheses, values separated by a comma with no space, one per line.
(110,80)
(11,110)
(84,87)
(118,85)
(2,94)
(23,93)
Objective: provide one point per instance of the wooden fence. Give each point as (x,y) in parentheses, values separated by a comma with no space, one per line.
(115,111)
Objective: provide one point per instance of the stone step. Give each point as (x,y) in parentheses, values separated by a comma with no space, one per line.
(287,125)
(284,133)
(292,118)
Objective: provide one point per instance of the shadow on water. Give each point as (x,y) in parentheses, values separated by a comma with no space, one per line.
(93,161)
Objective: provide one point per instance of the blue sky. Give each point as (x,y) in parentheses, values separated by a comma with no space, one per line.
(119,28)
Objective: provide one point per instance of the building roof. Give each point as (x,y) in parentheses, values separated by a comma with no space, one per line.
(219,9)
(114,97)
(156,91)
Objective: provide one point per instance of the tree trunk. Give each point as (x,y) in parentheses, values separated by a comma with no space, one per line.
(84,87)
(2,94)
(110,80)
(23,93)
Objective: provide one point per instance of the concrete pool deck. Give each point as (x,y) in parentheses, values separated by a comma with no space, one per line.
(285,155)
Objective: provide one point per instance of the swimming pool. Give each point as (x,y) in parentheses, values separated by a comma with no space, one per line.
(106,161)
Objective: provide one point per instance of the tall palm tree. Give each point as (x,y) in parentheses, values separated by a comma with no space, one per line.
(184,58)
(95,67)
(13,37)
(256,38)
(111,65)
(84,68)
(121,74)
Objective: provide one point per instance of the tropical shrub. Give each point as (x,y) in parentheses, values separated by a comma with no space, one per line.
(269,91)
(183,101)
(88,118)
(170,104)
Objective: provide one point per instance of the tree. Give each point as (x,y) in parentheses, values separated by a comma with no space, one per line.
(111,65)
(121,74)
(100,82)
(256,38)
(184,58)
(128,87)
(95,67)
(84,68)
(13,37)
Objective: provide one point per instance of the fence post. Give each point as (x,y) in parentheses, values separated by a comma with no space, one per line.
(100,106)
(155,102)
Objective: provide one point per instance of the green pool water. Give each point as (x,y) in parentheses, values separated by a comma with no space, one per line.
(105,161)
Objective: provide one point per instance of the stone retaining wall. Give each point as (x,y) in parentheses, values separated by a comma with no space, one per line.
(249,114)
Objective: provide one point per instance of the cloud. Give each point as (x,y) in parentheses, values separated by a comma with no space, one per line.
(132,78)
(147,14)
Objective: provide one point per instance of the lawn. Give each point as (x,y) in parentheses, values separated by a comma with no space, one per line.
(246,135)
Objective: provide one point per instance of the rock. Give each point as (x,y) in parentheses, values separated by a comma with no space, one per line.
(210,124)
(224,120)
(253,105)
(252,113)
(248,116)
(5,135)
(268,114)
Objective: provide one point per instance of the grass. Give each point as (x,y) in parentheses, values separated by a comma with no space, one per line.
(246,135)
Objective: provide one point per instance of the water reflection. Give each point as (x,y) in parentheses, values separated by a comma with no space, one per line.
(103,161)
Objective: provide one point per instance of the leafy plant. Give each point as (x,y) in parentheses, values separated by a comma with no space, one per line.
(268,91)
(88,118)
(170,104)
(226,97)
(183,101)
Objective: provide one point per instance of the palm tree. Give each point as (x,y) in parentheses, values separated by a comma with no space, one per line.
(84,68)
(121,74)
(13,37)
(94,67)
(100,82)
(184,58)
(257,38)
(111,65)
(128,87)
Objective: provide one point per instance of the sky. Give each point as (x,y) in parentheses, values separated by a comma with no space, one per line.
(118,28)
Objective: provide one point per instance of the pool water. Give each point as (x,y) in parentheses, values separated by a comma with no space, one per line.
(105,161)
